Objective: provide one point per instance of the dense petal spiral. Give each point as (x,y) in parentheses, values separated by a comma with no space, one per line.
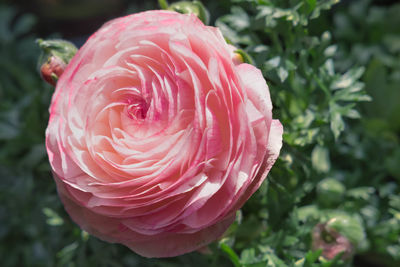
(156,137)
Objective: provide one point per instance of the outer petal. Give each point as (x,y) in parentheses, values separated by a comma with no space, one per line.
(273,148)
(257,88)
(152,246)
(268,132)
(171,245)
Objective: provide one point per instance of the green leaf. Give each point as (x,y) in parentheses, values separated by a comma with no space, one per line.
(312,256)
(248,256)
(363,192)
(163,4)
(312,4)
(337,124)
(272,63)
(231,34)
(67,253)
(239,20)
(282,73)
(330,192)
(289,65)
(320,159)
(53,218)
(310,212)
(394,251)
(352,113)
(330,51)
(394,202)
(347,79)
(274,261)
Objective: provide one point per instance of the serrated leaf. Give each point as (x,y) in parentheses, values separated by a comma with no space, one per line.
(312,256)
(337,124)
(352,113)
(346,95)
(348,78)
(342,83)
(361,192)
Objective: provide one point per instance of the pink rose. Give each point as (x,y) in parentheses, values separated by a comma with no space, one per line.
(155,137)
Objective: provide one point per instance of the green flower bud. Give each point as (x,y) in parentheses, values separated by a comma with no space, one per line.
(330,192)
(195,7)
(56,54)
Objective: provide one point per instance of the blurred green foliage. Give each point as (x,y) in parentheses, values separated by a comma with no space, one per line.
(340,156)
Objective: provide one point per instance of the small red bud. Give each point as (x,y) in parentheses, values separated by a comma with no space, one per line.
(52,69)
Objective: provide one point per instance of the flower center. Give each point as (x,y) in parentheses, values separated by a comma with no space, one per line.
(137,108)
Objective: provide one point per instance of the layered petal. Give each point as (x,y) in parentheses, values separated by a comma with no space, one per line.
(156,137)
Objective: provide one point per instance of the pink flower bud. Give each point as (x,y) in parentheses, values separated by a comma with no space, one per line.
(331,242)
(52,69)
(55,57)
